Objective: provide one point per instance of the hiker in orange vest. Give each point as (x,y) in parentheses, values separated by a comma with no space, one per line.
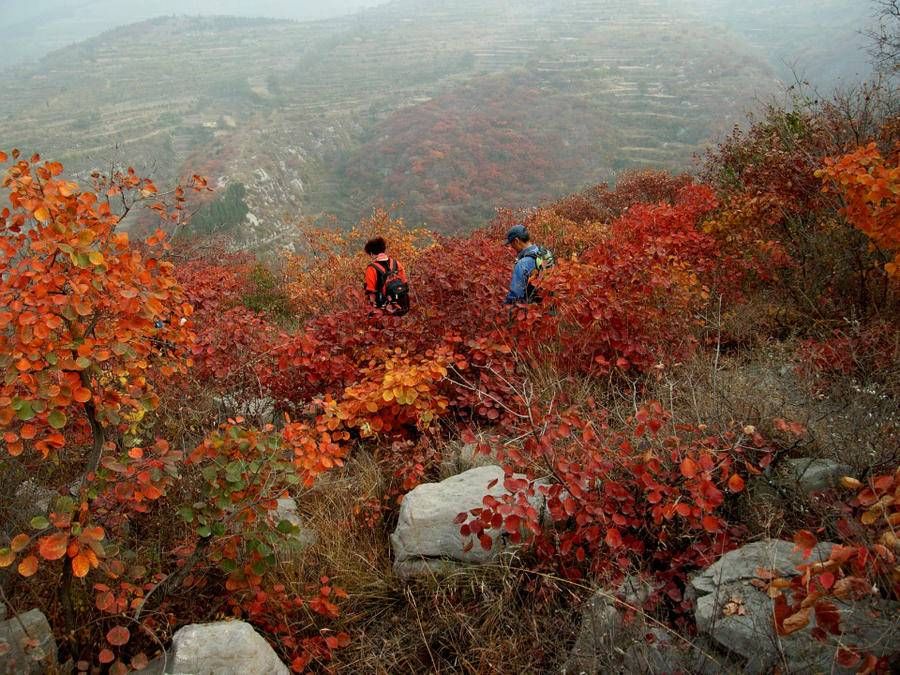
(387,287)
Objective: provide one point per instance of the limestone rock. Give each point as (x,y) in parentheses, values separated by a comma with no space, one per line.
(814,475)
(34,497)
(462,457)
(606,643)
(426,540)
(259,410)
(750,632)
(287,510)
(26,644)
(223,648)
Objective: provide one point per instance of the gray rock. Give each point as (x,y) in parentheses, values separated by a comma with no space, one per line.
(223,648)
(606,643)
(426,540)
(155,667)
(460,458)
(35,498)
(782,557)
(258,410)
(814,475)
(660,651)
(750,632)
(26,644)
(601,623)
(287,510)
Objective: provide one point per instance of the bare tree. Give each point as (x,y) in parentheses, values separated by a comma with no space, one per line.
(885,37)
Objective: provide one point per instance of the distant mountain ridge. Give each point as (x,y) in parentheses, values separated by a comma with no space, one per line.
(34,29)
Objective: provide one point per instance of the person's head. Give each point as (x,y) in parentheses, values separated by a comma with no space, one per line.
(375,246)
(518,237)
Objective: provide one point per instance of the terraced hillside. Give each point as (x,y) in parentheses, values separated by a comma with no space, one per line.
(304,115)
(585,94)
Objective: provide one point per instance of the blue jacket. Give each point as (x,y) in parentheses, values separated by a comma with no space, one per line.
(525,265)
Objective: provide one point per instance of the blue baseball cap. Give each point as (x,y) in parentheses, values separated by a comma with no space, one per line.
(517,232)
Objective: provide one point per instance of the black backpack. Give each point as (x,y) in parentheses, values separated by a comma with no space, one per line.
(543,260)
(391,292)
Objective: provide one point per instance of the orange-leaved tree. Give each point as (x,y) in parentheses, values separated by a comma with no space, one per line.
(870,186)
(84,316)
(83,313)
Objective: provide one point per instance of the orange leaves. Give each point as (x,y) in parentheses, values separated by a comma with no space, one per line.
(795,622)
(688,467)
(28,566)
(388,395)
(735,483)
(870,186)
(711,523)
(81,565)
(74,318)
(156,238)
(118,636)
(53,547)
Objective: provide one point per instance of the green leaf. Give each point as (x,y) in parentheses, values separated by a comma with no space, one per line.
(204,531)
(52,358)
(57,419)
(286,527)
(186,513)
(83,362)
(65,505)
(25,412)
(40,523)
(218,529)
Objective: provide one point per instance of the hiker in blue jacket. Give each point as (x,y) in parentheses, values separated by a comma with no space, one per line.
(531,260)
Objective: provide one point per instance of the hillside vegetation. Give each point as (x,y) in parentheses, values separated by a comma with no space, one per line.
(697,336)
(307,115)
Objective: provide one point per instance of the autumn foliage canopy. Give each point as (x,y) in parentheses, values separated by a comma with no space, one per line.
(127,374)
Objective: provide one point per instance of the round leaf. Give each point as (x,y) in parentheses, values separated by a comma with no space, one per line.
(57,419)
(53,547)
(40,523)
(28,566)
(118,636)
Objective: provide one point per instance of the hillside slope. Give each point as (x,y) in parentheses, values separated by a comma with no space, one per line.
(33,30)
(298,113)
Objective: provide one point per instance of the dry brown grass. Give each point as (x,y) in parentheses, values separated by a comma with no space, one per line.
(496,618)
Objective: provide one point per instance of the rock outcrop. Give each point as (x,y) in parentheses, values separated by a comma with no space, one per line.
(26,643)
(738,616)
(426,540)
(222,648)
(812,474)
